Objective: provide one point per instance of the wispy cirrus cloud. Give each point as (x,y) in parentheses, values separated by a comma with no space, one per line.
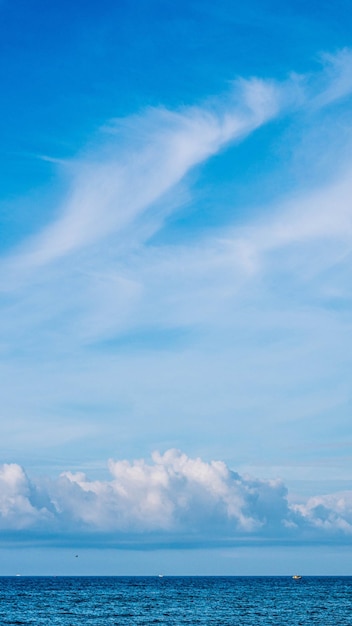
(336,82)
(127,177)
(252,307)
(112,186)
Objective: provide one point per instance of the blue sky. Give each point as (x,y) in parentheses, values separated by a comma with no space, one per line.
(175,254)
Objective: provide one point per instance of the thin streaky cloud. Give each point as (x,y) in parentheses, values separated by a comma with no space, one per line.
(113,186)
(107,195)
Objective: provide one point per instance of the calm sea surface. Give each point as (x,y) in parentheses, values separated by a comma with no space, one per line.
(68,601)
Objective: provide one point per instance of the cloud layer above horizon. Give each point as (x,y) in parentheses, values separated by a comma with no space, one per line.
(173,499)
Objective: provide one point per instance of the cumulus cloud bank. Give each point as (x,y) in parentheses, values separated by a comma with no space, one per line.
(174,497)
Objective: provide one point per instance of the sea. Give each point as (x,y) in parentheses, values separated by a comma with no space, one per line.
(176,600)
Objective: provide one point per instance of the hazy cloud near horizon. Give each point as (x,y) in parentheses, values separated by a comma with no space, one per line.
(182,499)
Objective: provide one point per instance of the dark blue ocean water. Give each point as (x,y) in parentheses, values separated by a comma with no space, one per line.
(67,601)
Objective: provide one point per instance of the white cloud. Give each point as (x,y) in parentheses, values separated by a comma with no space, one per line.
(332,512)
(175,496)
(120,193)
(336,79)
(175,493)
(115,184)
(17,511)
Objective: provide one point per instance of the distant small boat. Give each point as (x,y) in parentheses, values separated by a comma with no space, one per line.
(161,575)
(296,577)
